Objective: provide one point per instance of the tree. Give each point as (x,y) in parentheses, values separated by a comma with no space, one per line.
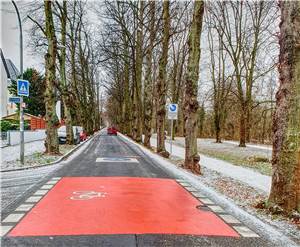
(52,122)
(35,102)
(244,37)
(221,82)
(64,86)
(137,90)
(285,190)
(191,104)
(161,86)
(148,89)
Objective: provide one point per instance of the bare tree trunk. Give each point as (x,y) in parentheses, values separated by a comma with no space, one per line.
(52,122)
(162,84)
(149,79)
(217,120)
(137,129)
(242,129)
(191,104)
(64,87)
(285,190)
(127,99)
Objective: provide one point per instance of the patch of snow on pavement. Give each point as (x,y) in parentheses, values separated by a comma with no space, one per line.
(253,222)
(245,175)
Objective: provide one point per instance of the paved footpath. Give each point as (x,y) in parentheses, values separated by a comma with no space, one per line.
(113,194)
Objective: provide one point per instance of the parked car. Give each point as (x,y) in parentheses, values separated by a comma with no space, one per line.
(82,135)
(112,131)
(62,134)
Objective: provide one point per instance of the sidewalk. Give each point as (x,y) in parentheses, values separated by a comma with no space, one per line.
(244,175)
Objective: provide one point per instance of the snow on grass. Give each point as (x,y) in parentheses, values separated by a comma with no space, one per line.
(242,174)
(35,159)
(11,153)
(258,146)
(256,159)
(252,221)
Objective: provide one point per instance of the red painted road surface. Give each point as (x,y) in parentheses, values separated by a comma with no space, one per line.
(119,205)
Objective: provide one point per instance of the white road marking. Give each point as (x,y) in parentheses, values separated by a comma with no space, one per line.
(13,218)
(24,207)
(5,229)
(33,199)
(206,201)
(87,195)
(229,219)
(47,186)
(119,160)
(198,194)
(216,209)
(245,232)
(184,184)
(191,189)
(41,192)
(56,178)
(52,182)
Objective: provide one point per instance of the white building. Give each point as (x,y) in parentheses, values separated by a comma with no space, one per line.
(8,72)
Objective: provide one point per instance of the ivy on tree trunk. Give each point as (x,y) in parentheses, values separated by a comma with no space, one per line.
(285,190)
(191,104)
(52,122)
(161,83)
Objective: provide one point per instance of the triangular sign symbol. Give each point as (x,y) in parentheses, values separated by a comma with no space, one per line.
(23,88)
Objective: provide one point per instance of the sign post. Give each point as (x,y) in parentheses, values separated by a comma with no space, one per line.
(21,100)
(172,115)
(23,90)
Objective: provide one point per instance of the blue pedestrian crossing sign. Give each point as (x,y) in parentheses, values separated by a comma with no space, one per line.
(23,88)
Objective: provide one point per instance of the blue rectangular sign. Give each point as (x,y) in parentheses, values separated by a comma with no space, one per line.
(23,88)
(14,99)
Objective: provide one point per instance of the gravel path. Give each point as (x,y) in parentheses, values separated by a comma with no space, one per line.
(231,147)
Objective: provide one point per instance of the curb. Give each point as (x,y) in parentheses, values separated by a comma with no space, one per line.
(65,156)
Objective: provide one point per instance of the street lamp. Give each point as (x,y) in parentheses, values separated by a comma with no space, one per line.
(21,98)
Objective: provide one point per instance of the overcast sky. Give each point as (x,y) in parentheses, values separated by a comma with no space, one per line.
(10,36)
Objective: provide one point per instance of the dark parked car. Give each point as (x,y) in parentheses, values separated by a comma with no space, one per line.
(112,131)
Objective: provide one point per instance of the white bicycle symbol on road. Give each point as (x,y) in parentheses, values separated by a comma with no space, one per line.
(87,195)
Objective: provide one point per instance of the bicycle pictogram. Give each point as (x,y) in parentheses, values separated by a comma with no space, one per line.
(87,195)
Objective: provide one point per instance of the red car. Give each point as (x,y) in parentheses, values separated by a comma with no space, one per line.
(82,135)
(112,131)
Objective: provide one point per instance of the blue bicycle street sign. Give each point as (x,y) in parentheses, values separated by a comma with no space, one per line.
(23,87)
(172,111)
(173,107)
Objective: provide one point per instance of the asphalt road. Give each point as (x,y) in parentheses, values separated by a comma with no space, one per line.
(133,163)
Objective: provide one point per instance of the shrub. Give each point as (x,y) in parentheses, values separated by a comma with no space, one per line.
(12,125)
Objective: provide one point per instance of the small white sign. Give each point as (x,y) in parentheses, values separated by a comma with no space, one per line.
(173,111)
(58,109)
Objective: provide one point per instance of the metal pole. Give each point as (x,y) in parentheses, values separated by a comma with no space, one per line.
(171,136)
(21,77)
